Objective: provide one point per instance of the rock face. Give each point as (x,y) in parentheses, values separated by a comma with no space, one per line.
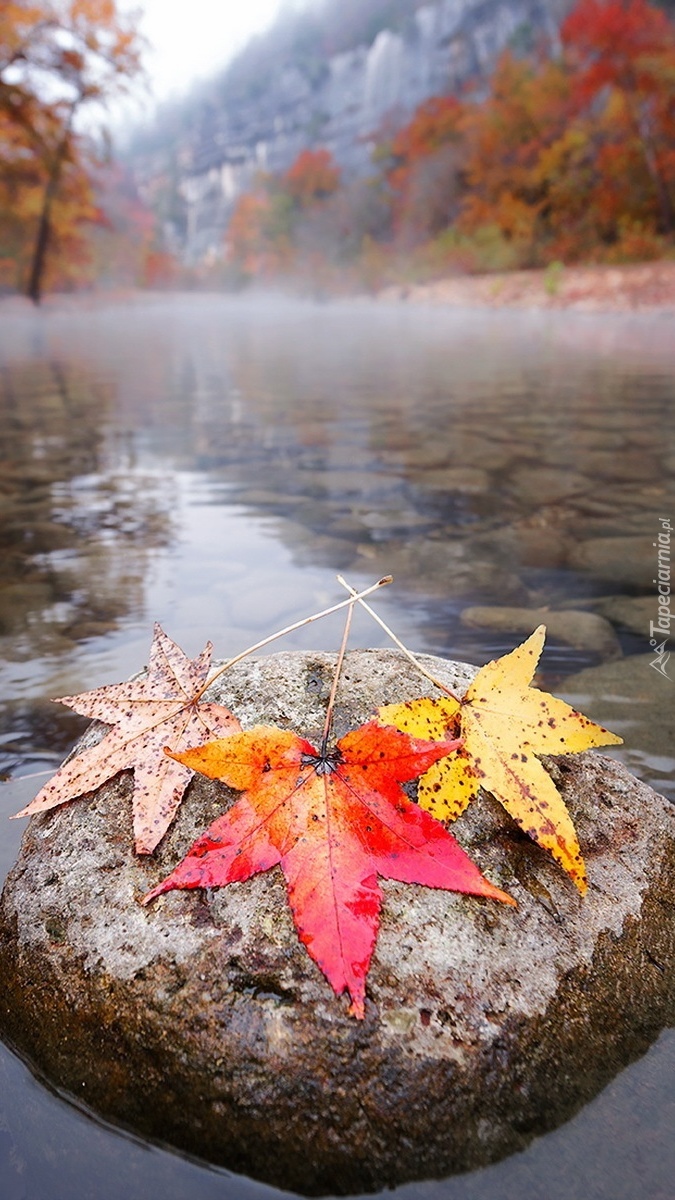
(339,101)
(201,1021)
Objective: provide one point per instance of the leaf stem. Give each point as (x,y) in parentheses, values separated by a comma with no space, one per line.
(33,775)
(326,612)
(443,687)
(336,676)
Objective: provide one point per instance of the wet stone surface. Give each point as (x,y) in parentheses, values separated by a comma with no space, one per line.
(202,1022)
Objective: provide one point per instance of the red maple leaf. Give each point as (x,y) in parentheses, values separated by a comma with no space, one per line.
(333,822)
(144,713)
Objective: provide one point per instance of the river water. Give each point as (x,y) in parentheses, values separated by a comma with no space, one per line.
(211,464)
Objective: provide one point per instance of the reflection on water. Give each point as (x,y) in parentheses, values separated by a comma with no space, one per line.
(212,464)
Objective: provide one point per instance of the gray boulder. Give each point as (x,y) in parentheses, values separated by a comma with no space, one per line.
(201,1021)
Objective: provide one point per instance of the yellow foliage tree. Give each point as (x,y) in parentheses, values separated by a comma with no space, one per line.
(56,56)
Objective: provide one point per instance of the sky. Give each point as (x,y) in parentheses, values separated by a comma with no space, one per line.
(191,39)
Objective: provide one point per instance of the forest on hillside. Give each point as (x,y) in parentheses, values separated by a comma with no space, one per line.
(569,158)
(566,155)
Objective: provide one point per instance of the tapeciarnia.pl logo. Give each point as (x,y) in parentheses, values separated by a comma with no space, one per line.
(663,596)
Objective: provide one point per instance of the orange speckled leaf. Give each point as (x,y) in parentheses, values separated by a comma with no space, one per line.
(333,822)
(144,714)
(505,723)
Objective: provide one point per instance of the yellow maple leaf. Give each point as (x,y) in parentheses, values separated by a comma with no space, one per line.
(504,723)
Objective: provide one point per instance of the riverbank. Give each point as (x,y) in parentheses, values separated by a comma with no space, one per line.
(637,287)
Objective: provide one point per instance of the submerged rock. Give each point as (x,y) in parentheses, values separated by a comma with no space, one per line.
(632,697)
(454,479)
(630,612)
(583,630)
(201,1020)
(629,560)
(536,486)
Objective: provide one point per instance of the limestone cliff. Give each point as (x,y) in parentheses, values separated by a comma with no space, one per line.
(281,98)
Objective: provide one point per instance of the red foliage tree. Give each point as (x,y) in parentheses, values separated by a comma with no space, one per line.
(574,158)
(518,148)
(623,56)
(313,176)
(617,43)
(424,158)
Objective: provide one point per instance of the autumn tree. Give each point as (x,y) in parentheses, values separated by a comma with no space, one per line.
(275,223)
(521,142)
(573,158)
(422,165)
(124,244)
(56,57)
(622,53)
(246,241)
(312,177)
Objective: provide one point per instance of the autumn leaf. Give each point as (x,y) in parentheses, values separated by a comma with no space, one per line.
(333,822)
(504,723)
(145,714)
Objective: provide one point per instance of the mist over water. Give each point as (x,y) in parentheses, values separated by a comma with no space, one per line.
(212,463)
